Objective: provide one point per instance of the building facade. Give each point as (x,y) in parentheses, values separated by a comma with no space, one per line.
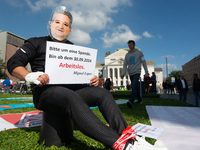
(113,66)
(190,68)
(9,44)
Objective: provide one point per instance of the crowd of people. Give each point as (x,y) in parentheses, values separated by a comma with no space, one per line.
(7,87)
(180,86)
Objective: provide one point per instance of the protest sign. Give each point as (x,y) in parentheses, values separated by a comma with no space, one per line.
(69,64)
(147,130)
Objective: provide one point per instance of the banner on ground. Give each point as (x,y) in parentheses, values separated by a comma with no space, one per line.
(181,126)
(15,106)
(20,120)
(17,98)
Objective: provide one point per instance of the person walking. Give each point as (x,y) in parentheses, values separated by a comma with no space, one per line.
(182,88)
(196,89)
(133,60)
(172,88)
(168,86)
(73,100)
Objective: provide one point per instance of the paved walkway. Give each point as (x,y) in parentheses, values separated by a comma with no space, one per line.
(190,97)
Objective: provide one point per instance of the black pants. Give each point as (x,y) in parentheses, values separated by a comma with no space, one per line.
(59,100)
(154,87)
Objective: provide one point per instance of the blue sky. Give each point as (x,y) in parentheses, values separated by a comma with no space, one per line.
(160,28)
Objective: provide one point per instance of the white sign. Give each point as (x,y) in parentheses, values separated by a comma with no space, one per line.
(69,64)
(147,130)
(173,79)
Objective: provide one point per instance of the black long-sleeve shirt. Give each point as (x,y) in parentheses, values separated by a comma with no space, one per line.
(196,85)
(34,52)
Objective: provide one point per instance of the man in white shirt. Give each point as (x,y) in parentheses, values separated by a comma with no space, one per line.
(182,88)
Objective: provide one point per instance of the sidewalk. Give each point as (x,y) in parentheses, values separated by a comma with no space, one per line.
(190,97)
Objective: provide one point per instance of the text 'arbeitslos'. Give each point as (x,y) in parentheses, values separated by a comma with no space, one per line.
(66,65)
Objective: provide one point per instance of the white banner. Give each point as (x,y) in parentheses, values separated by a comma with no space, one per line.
(69,64)
(181,126)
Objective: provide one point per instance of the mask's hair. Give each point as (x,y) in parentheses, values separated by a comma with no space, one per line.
(61,10)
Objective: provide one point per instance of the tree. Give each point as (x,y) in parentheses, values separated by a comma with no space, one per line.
(2,68)
(175,73)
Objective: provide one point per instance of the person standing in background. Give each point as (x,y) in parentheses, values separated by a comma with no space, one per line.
(147,81)
(182,88)
(153,82)
(164,84)
(196,89)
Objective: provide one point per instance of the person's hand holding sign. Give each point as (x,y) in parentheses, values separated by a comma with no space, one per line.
(44,79)
(39,78)
(94,81)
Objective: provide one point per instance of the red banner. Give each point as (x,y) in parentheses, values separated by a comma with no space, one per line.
(20,120)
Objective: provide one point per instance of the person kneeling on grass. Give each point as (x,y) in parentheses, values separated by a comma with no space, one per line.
(74,100)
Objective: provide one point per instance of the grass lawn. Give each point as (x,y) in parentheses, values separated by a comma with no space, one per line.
(26,138)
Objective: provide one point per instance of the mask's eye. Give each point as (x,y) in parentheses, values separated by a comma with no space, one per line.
(66,24)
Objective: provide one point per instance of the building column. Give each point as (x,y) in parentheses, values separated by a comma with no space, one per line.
(108,72)
(113,76)
(124,80)
(118,77)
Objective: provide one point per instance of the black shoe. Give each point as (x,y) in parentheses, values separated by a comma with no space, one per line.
(129,104)
(139,102)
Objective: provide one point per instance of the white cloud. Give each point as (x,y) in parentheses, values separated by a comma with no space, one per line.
(15,3)
(160,36)
(91,21)
(168,57)
(80,37)
(147,34)
(88,15)
(170,66)
(183,56)
(121,34)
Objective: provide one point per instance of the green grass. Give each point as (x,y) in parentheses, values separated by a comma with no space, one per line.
(27,138)
(127,93)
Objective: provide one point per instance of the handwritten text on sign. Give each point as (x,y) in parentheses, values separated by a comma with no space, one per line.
(69,64)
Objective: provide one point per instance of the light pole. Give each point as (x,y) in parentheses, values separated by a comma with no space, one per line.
(166,67)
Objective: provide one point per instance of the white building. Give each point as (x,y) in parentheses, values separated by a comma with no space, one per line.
(113,66)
